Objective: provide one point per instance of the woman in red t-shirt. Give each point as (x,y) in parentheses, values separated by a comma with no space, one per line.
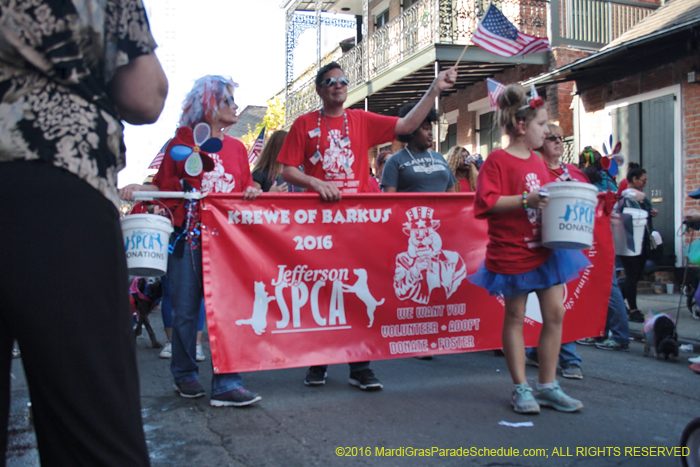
(464,168)
(508,195)
(222,170)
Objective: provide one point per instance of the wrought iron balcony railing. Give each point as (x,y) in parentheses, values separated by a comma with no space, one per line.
(429,22)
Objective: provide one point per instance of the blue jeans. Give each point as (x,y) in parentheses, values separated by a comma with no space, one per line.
(166,307)
(567,355)
(187,292)
(616,324)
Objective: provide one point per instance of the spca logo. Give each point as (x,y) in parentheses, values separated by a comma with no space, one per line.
(144,240)
(304,286)
(578,217)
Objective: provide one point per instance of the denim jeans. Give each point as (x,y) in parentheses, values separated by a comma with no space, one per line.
(567,355)
(166,307)
(187,292)
(616,324)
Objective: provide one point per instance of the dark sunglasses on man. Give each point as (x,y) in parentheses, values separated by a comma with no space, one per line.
(330,82)
(555,138)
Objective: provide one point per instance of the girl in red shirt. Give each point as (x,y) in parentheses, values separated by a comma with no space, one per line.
(508,195)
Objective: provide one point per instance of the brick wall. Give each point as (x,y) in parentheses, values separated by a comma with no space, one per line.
(560,96)
(466,120)
(596,125)
(691,137)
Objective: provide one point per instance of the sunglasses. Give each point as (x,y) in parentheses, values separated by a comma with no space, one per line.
(555,138)
(330,82)
(228,100)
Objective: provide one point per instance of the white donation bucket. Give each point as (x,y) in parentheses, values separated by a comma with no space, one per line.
(146,238)
(569,216)
(639,222)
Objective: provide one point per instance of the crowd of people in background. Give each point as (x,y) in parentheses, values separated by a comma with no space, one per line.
(118,77)
(326,151)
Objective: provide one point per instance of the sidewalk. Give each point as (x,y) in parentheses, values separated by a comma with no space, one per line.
(688,328)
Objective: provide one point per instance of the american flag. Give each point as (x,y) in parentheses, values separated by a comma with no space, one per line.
(499,36)
(495,89)
(257,147)
(155,165)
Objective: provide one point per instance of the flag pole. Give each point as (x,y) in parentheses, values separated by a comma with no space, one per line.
(462,55)
(467,44)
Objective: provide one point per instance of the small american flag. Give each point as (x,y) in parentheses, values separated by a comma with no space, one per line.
(155,165)
(257,147)
(495,89)
(499,36)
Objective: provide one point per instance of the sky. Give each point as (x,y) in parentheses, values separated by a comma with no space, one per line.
(242,39)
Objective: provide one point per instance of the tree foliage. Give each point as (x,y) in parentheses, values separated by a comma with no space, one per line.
(273,120)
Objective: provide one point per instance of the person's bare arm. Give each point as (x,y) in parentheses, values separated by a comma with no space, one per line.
(138,90)
(389,189)
(445,80)
(127,192)
(327,190)
(511,203)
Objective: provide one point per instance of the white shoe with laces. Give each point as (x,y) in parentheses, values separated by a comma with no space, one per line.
(167,351)
(694,359)
(200,357)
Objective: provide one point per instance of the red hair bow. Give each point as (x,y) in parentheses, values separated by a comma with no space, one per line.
(536,102)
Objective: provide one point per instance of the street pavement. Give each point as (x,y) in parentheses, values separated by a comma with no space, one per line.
(633,405)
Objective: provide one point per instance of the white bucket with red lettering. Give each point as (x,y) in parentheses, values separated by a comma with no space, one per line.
(569,216)
(639,222)
(146,238)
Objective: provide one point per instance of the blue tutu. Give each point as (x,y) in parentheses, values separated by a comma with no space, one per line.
(561,267)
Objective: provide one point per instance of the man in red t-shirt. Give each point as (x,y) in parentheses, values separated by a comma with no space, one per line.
(331,145)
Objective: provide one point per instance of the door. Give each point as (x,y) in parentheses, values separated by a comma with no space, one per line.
(657,150)
(489,133)
(646,131)
(450,139)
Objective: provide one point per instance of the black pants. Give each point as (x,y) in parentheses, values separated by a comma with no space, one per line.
(63,296)
(634,267)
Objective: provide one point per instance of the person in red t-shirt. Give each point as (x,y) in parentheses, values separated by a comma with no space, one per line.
(508,195)
(332,144)
(225,171)
(378,166)
(464,168)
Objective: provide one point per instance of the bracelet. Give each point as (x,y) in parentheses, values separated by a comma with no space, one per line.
(524,199)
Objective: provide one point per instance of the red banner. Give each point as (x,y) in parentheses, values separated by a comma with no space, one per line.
(292,281)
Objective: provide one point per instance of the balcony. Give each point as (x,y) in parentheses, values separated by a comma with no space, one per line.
(595,23)
(397,63)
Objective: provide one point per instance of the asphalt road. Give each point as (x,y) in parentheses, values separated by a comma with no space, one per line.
(632,403)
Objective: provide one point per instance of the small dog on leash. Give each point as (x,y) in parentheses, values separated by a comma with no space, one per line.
(145,295)
(660,333)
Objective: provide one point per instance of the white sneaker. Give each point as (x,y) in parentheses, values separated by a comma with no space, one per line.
(694,359)
(167,351)
(200,357)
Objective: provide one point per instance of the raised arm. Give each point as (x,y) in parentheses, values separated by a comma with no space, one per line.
(444,80)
